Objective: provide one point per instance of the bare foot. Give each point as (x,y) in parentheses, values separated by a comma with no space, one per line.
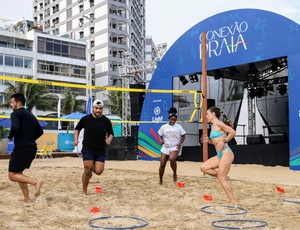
(27,200)
(38,188)
(160,182)
(84,192)
(234,203)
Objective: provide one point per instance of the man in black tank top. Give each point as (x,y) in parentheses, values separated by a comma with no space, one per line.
(25,129)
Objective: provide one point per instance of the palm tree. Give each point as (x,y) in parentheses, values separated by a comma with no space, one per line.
(115,102)
(70,104)
(36,95)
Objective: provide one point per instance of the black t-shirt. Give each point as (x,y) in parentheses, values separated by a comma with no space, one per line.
(95,132)
(25,128)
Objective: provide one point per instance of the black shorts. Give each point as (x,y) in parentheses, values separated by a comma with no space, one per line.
(89,155)
(21,158)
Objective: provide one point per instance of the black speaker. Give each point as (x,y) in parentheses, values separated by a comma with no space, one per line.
(130,142)
(134,131)
(277,138)
(117,143)
(116,154)
(131,154)
(136,100)
(255,139)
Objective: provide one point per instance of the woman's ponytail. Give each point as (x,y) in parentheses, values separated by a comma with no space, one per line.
(226,120)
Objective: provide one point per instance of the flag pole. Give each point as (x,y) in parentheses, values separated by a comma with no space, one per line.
(204,94)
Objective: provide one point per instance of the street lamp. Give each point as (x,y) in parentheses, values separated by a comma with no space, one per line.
(91,20)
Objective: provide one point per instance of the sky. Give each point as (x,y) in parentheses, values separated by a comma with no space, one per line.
(167,20)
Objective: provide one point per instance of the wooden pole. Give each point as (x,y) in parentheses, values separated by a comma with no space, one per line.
(204,93)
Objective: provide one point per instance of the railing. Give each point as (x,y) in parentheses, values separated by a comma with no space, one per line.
(243,135)
(270,126)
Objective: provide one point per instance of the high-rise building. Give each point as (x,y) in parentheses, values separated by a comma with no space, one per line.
(110,27)
(151,55)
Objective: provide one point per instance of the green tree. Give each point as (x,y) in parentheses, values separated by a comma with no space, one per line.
(36,95)
(70,104)
(115,102)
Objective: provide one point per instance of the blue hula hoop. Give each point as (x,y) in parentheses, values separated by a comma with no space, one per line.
(242,210)
(144,222)
(292,200)
(261,223)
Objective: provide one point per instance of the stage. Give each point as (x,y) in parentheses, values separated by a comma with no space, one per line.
(262,154)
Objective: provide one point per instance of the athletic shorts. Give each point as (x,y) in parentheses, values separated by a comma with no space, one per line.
(167,151)
(21,158)
(89,155)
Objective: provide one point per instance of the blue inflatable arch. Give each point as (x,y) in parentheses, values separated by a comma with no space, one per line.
(233,38)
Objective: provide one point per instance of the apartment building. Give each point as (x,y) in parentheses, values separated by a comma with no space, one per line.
(45,57)
(109,28)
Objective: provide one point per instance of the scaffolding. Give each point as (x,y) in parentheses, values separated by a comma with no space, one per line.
(129,72)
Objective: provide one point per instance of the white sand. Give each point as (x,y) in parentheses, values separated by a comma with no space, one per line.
(130,188)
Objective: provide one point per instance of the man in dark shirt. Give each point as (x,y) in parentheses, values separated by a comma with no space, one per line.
(25,129)
(98,133)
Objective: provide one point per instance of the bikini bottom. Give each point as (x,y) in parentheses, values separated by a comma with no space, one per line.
(220,153)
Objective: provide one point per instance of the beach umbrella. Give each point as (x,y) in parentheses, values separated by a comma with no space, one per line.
(74,116)
(6,122)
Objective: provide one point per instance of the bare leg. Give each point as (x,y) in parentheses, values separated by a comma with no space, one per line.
(23,181)
(98,167)
(87,174)
(38,188)
(209,166)
(173,164)
(223,171)
(163,161)
(25,191)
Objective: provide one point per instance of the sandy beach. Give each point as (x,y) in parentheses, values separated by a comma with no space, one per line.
(131,189)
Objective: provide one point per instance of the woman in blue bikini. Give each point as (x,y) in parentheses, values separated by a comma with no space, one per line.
(219,136)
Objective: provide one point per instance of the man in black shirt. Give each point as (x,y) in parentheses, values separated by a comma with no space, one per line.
(25,129)
(98,133)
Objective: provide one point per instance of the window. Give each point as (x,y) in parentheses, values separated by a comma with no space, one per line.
(3,44)
(92,30)
(92,3)
(9,61)
(80,23)
(92,17)
(92,43)
(28,63)
(66,70)
(51,68)
(65,50)
(61,48)
(57,48)
(81,34)
(49,47)
(1,59)
(18,62)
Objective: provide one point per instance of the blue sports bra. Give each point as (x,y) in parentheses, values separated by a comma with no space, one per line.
(214,134)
